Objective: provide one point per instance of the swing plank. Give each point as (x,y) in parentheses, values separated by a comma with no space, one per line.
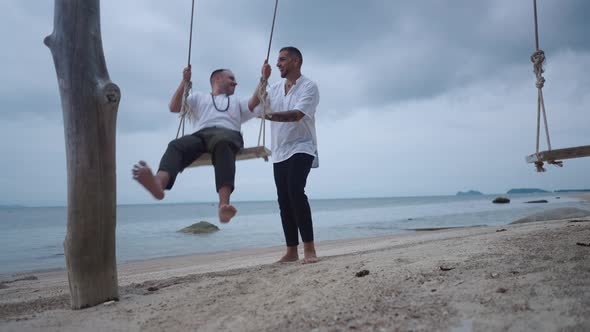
(558,154)
(243,154)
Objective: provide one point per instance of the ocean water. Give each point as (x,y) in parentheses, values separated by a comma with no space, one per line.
(31,237)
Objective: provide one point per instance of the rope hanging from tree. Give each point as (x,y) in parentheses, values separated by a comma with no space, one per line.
(261,90)
(185,110)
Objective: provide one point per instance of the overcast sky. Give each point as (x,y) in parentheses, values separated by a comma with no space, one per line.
(417,97)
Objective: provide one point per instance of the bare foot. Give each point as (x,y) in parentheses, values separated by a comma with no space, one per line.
(291,256)
(310,259)
(309,255)
(226,212)
(143,174)
(288,259)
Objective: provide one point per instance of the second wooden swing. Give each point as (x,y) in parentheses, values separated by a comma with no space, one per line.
(549,156)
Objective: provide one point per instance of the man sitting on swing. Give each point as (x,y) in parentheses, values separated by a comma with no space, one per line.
(219,116)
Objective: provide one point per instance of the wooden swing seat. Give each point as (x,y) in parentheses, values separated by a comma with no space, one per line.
(558,154)
(243,154)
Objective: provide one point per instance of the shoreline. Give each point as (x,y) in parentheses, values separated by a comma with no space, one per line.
(524,276)
(7,275)
(238,258)
(175,259)
(196,257)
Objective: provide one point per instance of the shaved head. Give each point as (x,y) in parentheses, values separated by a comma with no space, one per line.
(216,73)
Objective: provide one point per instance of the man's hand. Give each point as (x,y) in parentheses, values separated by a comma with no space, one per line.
(260,92)
(266,70)
(186,74)
(176,102)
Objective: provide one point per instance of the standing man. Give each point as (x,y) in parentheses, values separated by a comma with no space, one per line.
(219,115)
(293,102)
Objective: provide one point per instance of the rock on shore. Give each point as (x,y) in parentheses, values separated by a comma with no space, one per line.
(200,227)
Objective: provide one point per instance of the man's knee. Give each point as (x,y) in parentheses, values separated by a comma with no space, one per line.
(297,194)
(225,152)
(173,145)
(283,200)
(176,145)
(225,147)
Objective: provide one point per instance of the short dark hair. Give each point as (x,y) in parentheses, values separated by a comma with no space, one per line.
(293,51)
(214,73)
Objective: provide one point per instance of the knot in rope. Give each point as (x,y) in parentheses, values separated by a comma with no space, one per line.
(538,58)
(540,82)
(261,94)
(185,109)
(539,164)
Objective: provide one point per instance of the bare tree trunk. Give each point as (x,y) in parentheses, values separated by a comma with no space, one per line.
(89,103)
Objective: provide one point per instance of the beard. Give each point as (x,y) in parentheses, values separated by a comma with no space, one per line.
(284,73)
(229,90)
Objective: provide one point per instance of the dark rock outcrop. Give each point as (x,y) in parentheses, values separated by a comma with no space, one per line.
(199,228)
(501,200)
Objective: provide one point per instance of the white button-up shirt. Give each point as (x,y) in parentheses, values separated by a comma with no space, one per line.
(289,138)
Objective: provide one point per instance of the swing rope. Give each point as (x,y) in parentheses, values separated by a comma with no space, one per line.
(185,108)
(538,58)
(261,90)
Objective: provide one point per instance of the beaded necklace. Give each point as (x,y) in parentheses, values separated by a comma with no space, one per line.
(215,105)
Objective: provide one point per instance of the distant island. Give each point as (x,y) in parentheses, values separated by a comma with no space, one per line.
(572,190)
(469,192)
(11,206)
(526,191)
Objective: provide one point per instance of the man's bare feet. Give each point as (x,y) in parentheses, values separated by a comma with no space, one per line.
(309,260)
(291,256)
(289,259)
(143,174)
(226,212)
(309,255)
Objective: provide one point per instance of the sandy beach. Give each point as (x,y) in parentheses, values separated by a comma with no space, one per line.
(531,276)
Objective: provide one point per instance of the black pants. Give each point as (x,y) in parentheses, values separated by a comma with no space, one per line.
(290,179)
(223,144)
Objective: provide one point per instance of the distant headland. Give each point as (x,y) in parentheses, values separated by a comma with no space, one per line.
(526,191)
(523,191)
(537,190)
(572,190)
(469,192)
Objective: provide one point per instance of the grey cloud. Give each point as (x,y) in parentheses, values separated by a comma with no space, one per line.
(420,77)
(410,51)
